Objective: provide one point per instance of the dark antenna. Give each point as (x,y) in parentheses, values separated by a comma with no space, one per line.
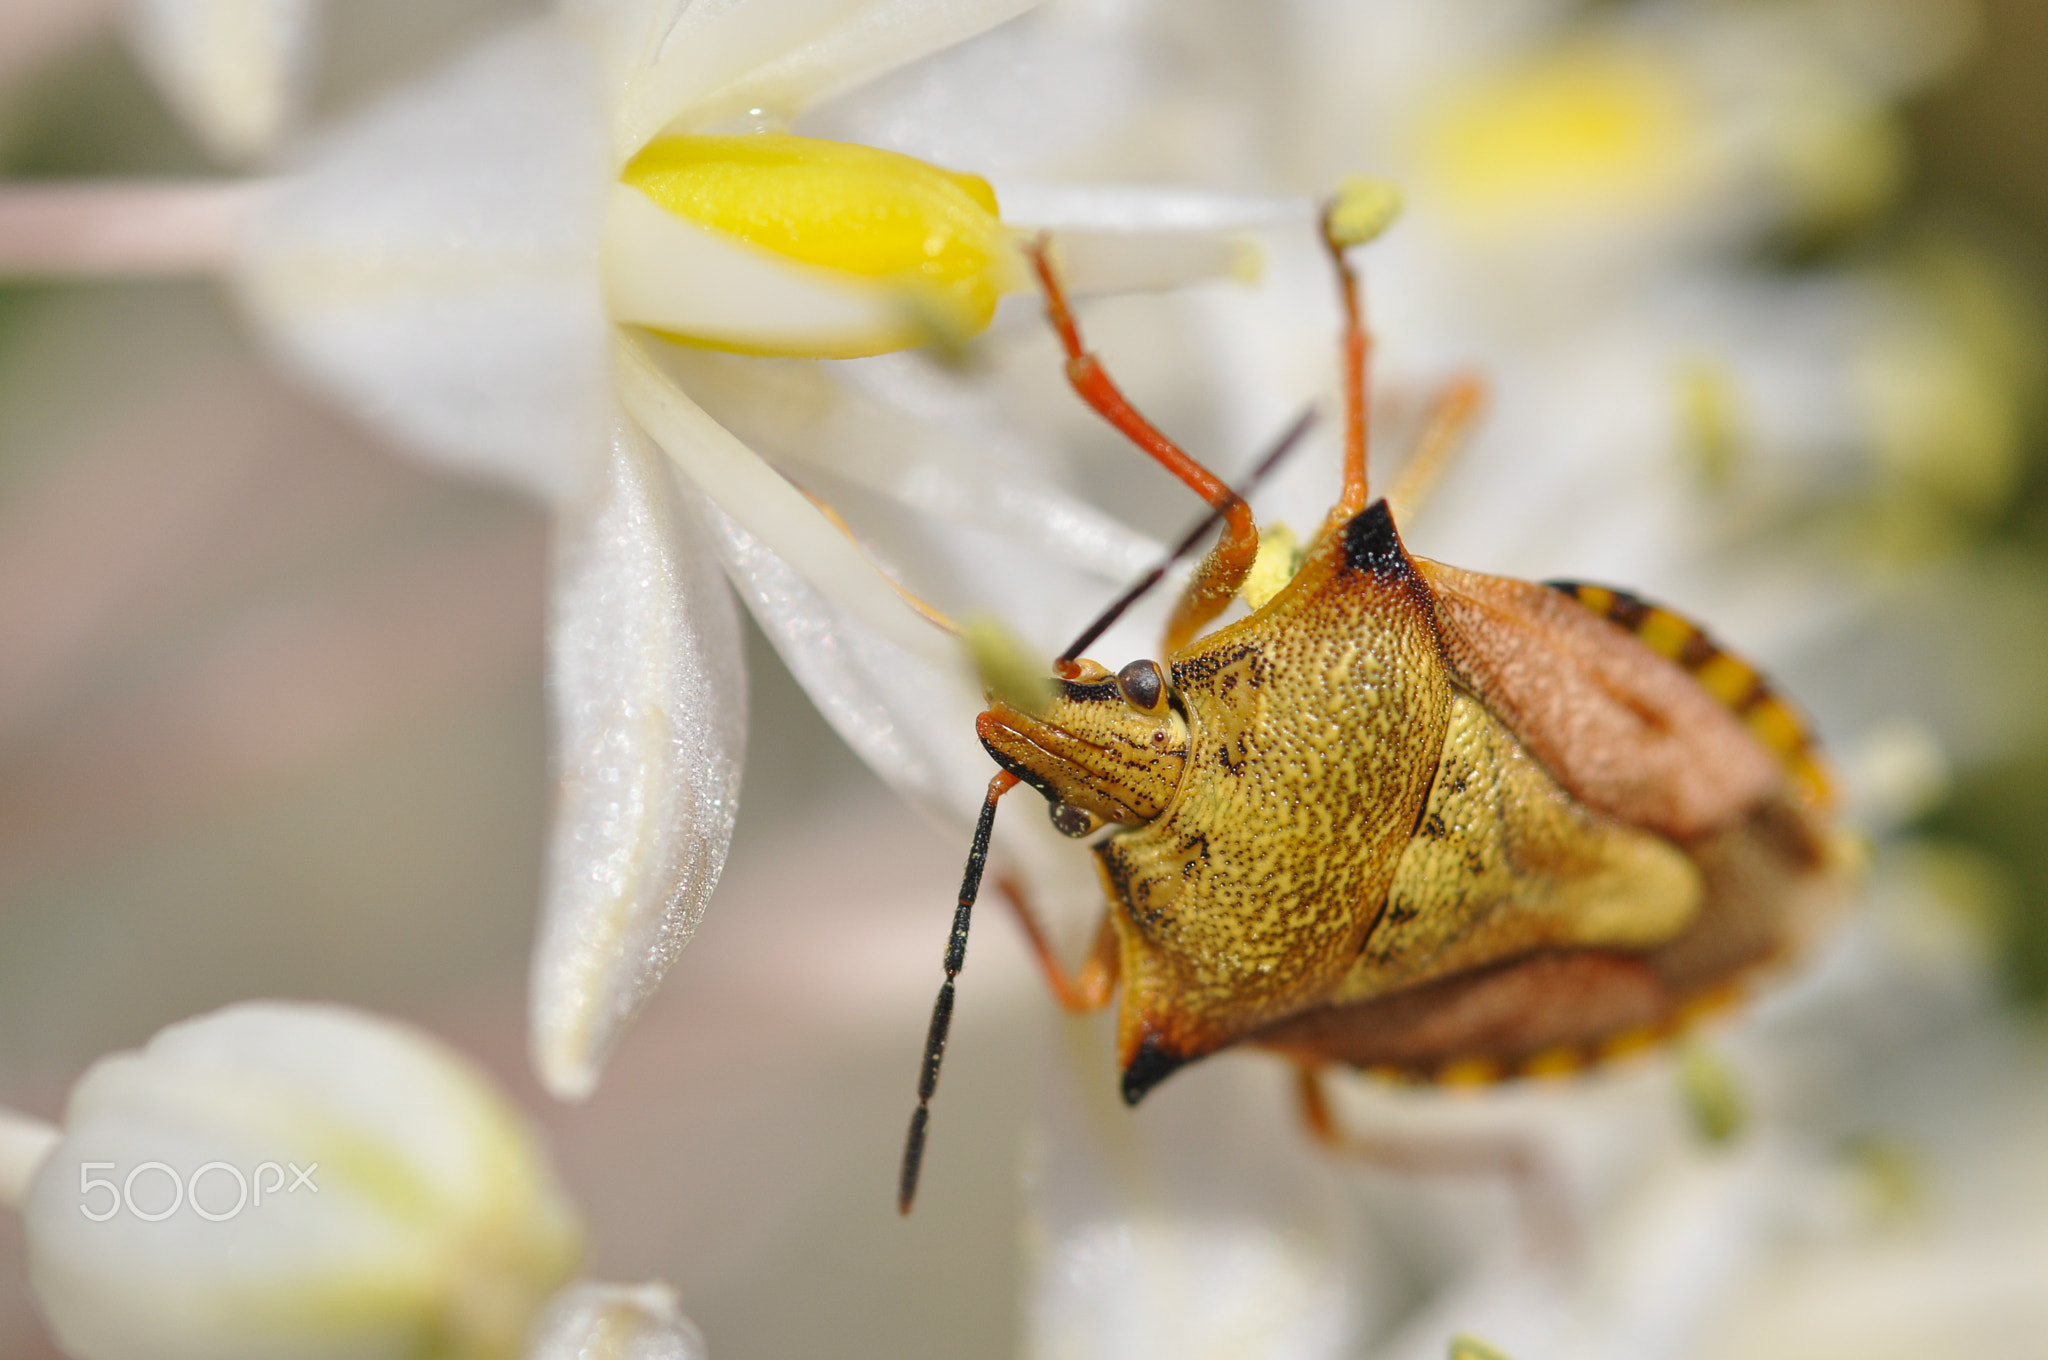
(1303,423)
(942,1009)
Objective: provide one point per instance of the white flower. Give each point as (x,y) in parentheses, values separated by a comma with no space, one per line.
(457,265)
(1204,1217)
(460,266)
(283,1179)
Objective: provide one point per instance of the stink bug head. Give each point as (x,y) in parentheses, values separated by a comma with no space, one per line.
(1095,755)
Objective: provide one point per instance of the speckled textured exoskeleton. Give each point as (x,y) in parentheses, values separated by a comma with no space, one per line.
(1353,854)
(1406,817)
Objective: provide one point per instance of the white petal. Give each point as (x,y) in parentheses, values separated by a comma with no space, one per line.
(1967,1292)
(590,1321)
(758,497)
(910,718)
(24,1143)
(1116,238)
(426,1208)
(1658,1270)
(235,70)
(1145,208)
(676,276)
(1199,1224)
(691,64)
(434,265)
(880,36)
(896,425)
(649,696)
(663,57)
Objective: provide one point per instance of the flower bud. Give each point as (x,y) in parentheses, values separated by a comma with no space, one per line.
(234,70)
(283,1180)
(590,1321)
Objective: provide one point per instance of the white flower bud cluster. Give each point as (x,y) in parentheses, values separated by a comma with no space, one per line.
(279,1180)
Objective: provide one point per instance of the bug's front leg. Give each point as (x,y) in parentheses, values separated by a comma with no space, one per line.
(1550,1226)
(1085,989)
(1220,574)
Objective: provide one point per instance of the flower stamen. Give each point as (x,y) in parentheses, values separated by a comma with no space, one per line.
(898,252)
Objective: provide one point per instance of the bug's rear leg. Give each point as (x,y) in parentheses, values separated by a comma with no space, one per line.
(1550,1227)
(1085,989)
(1451,418)
(1218,575)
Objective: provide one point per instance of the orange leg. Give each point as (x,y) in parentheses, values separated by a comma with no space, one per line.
(1357,353)
(1450,421)
(1546,1215)
(1219,575)
(1088,988)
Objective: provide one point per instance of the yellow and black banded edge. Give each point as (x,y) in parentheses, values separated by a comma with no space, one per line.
(1567,1060)
(1737,685)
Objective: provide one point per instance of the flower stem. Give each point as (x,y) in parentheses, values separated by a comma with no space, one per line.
(24,1142)
(122,228)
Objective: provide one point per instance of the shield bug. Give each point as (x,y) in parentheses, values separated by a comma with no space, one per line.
(1404,817)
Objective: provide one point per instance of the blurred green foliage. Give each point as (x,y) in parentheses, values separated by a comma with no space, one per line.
(1982,145)
(2003,811)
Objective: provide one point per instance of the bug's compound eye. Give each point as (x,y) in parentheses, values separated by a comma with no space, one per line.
(1069,820)
(1143,687)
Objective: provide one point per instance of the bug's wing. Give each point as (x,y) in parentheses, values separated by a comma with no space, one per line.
(1625,731)
(1521,937)
(1734,683)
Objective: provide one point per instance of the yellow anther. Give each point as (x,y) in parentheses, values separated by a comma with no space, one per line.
(1464,1347)
(1713,1095)
(1587,129)
(1893,1176)
(1362,210)
(1279,558)
(1010,670)
(1710,418)
(866,215)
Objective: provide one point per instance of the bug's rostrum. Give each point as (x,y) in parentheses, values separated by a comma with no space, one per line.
(1090,752)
